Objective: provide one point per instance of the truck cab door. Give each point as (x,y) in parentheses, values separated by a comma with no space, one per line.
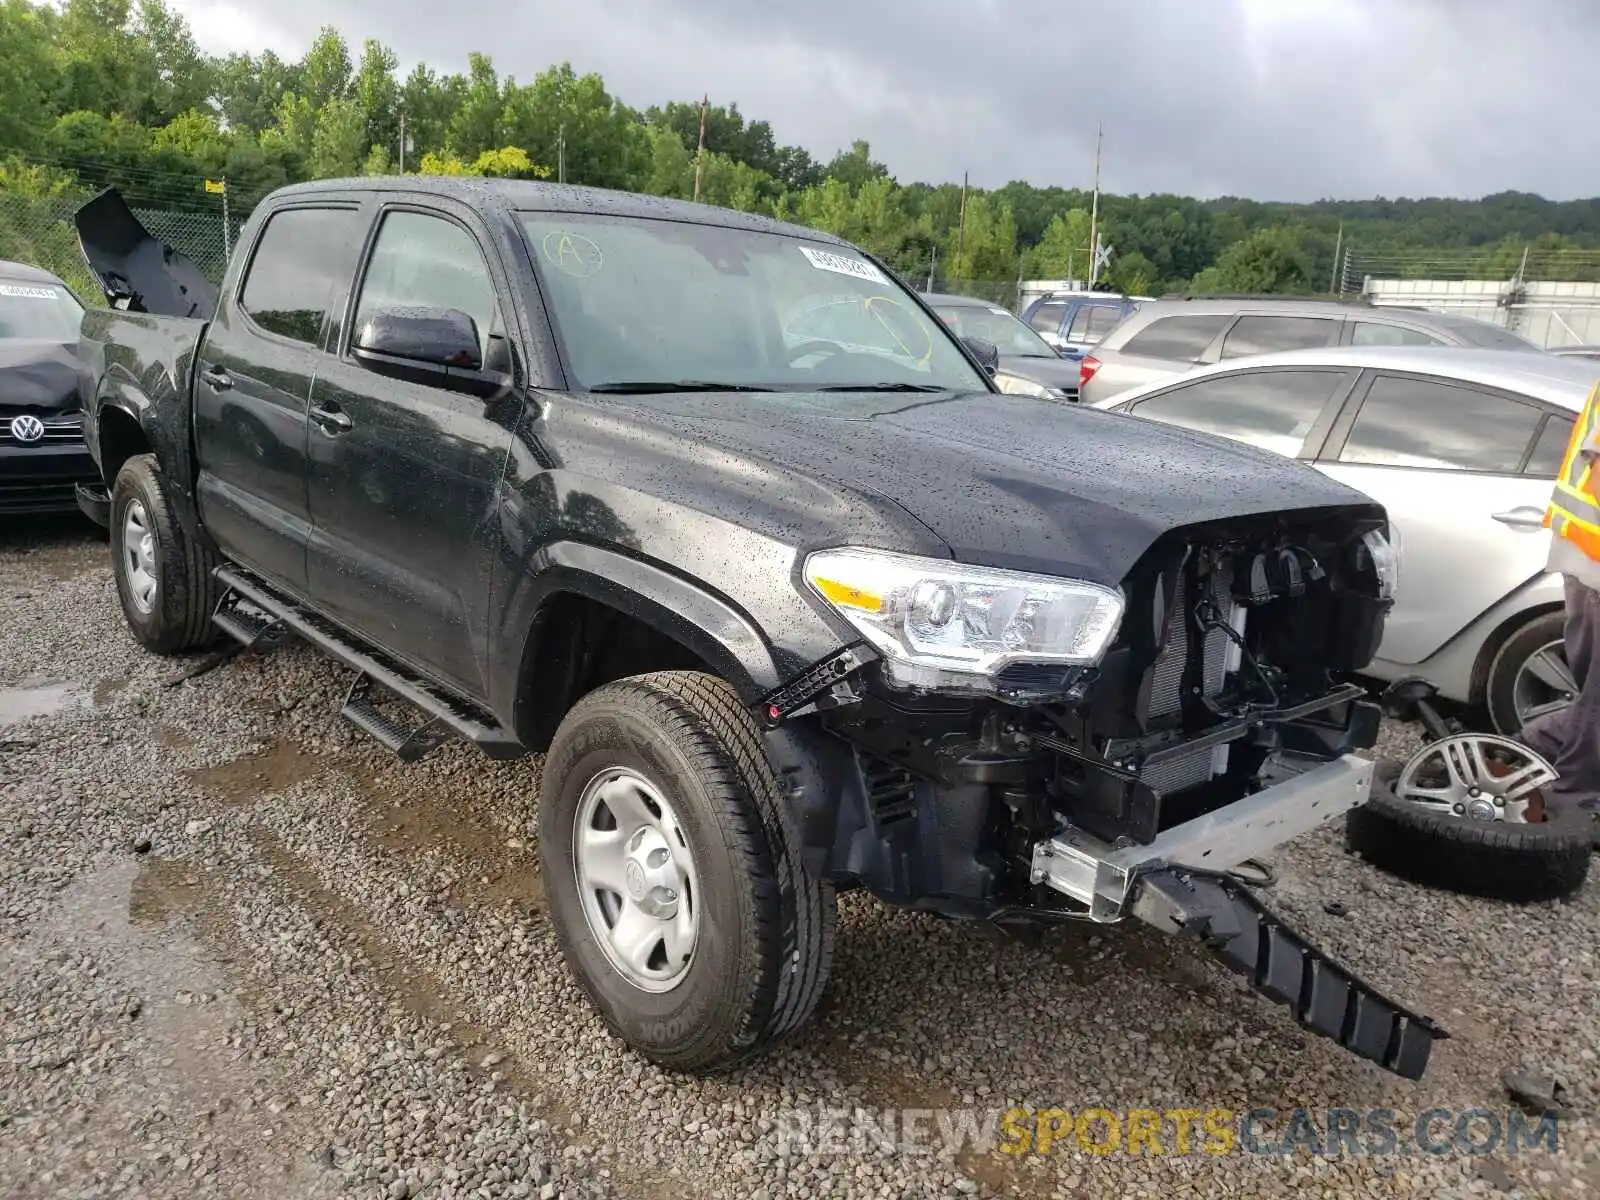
(252,381)
(404,471)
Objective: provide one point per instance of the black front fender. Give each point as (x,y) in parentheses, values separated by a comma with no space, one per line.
(709,626)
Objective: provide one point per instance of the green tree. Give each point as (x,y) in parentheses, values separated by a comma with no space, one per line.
(1063,251)
(474,124)
(1272,259)
(377,95)
(29,68)
(563,115)
(325,70)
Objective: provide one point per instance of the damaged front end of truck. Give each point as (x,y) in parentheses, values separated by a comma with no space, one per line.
(1181,725)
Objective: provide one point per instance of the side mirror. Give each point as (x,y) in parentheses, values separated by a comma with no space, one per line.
(986,352)
(436,347)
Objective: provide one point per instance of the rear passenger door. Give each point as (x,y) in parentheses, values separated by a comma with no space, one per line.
(404,475)
(1287,410)
(252,376)
(1269,333)
(1465,473)
(1166,346)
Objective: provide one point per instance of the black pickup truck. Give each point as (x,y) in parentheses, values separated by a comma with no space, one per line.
(715,513)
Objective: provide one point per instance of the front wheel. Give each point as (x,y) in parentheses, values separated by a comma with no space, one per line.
(675,880)
(164,578)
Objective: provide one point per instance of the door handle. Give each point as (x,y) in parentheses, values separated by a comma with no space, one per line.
(332,420)
(1525,519)
(216,377)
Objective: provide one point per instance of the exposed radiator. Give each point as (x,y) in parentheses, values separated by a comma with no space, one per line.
(1166,681)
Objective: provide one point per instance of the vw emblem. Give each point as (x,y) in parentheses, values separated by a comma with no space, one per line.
(27,428)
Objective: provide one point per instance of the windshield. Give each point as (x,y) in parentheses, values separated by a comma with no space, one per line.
(41,311)
(994,324)
(645,302)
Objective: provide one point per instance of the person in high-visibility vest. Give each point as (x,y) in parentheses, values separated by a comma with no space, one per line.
(1569,739)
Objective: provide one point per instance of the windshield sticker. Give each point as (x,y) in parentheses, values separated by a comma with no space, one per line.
(823,261)
(573,254)
(24,292)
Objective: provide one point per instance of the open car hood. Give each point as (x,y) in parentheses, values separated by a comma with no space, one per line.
(136,271)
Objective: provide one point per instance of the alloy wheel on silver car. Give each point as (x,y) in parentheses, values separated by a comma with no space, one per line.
(1544,683)
(636,879)
(139,557)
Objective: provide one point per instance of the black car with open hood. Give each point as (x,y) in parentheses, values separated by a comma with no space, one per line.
(720,516)
(42,453)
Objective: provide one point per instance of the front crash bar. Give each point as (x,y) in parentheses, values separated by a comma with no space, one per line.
(1102,877)
(1179,884)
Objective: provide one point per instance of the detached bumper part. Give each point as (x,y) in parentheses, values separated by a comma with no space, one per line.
(1177,884)
(1253,941)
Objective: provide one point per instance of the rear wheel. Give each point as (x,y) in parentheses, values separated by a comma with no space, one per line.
(164,578)
(680,899)
(1529,676)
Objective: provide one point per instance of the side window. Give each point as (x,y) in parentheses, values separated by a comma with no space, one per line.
(302,255)
(1092,322)
(1181,338)
(1370,333)
(1551,448)
(427,261)
(1047,317)
(1102,320)
(1441,426)
(1266,335)
(1274,410)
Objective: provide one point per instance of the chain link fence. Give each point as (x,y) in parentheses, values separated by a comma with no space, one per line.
(1007,293)
(39,231)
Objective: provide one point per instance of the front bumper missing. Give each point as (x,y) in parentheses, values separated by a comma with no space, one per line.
(1103,878)
(1178,883)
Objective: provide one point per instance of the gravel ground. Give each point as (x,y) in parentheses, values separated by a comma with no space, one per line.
(243,953)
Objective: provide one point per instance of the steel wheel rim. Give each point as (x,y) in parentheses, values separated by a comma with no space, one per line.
(139,557)
(1453,777)
(636,879)
(1543,684)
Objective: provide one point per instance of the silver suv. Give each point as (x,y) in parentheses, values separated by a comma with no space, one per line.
(1176,334)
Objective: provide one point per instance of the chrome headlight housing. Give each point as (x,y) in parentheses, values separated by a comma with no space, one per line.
(945,626)
(1018,386)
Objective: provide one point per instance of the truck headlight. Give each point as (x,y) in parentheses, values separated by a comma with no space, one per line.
(1017,386)
(938,623)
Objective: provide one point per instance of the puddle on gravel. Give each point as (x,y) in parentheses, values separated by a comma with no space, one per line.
(498,868)
(280,766)
(41,700)
(106,689)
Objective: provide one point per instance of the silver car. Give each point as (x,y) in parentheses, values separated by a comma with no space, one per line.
(1461,447)
(1178,334)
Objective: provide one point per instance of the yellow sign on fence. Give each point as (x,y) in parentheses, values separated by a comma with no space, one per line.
(219,186)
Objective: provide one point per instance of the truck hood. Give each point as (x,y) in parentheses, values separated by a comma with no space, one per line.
(37,375)
(1004,481)
(135,269)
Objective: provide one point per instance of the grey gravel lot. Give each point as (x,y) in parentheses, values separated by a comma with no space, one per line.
(242,953)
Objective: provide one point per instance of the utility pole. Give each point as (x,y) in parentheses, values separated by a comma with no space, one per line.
(933,264)
(961,233)
(402,141)
(1094,209)
(1333,284)
(227,250)
(561,153)
(700,154)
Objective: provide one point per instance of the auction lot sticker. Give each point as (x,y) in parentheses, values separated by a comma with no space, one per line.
(24,292)
(823,261)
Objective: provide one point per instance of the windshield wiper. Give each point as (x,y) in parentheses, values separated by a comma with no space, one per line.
(881,387)
(644,387)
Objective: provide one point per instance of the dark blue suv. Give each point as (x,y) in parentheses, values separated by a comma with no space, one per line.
(1074,322)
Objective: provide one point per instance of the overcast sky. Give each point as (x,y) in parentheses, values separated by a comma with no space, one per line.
(1273,99)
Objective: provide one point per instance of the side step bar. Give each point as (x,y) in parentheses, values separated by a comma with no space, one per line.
(1251,940)
(446,715)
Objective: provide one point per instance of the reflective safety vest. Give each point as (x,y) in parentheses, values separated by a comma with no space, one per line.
(1574,512)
